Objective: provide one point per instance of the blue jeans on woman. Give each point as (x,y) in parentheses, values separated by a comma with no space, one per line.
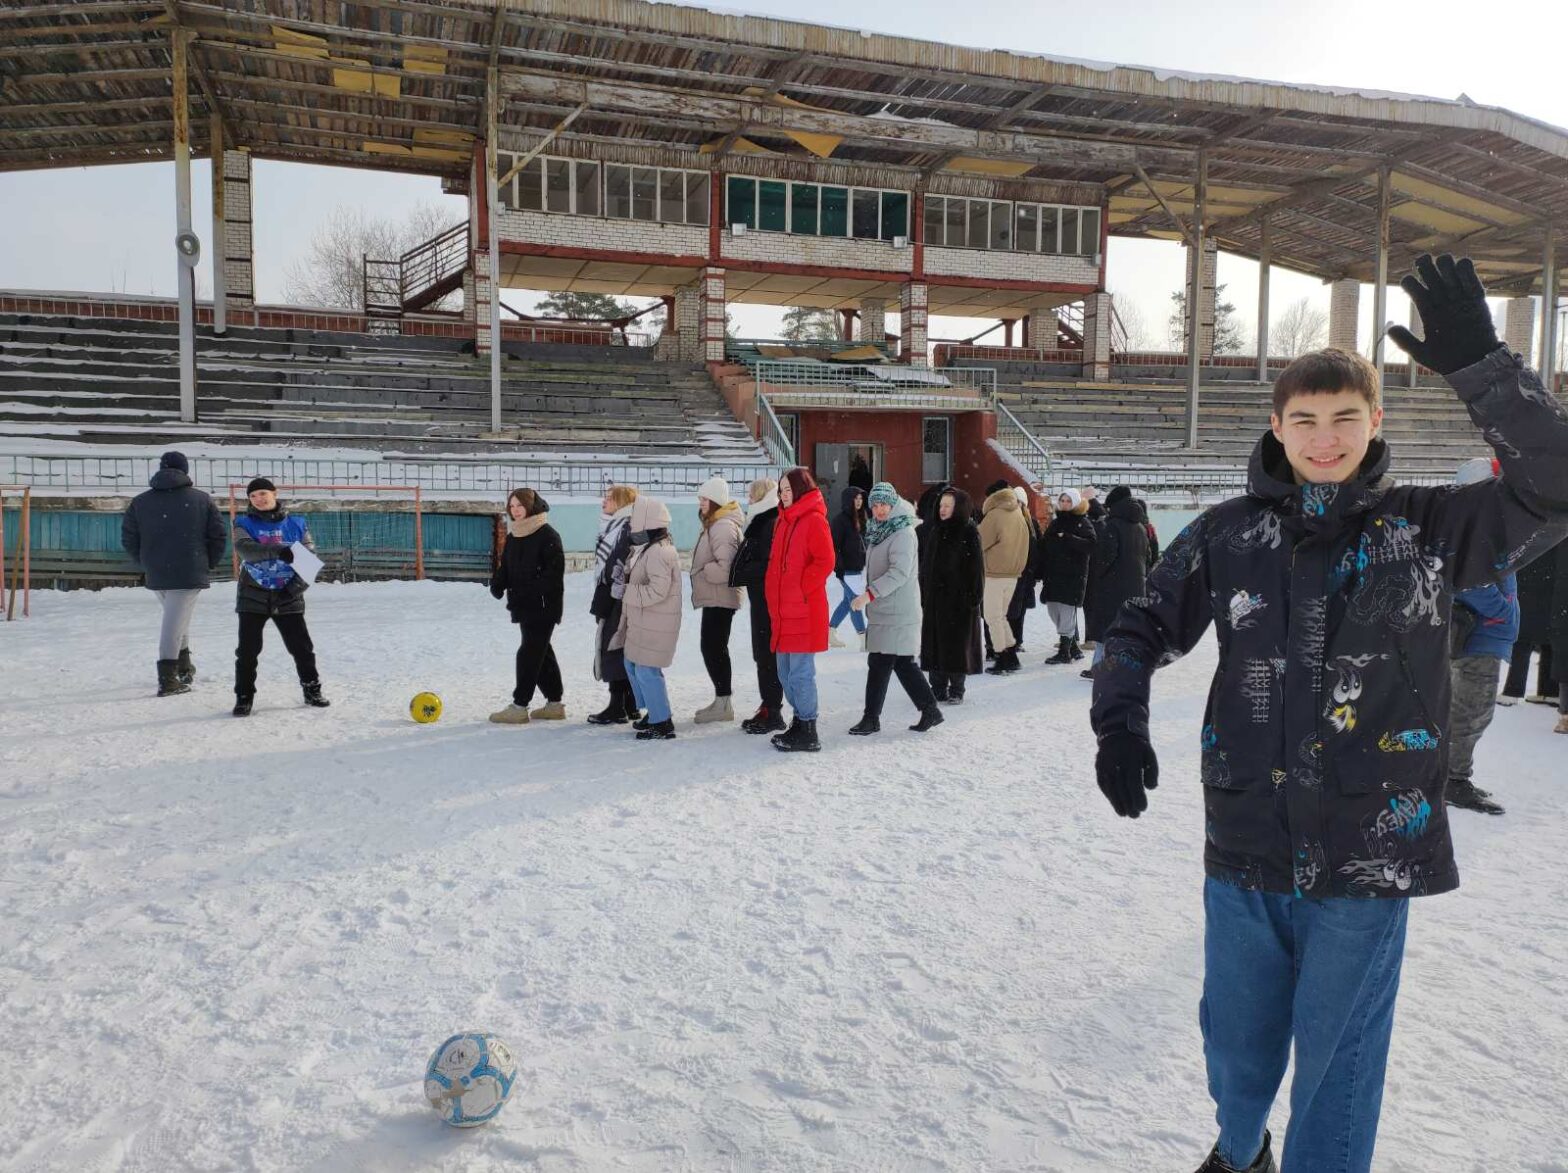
(649,691)
(843,608)
(798,674)
(1322,974)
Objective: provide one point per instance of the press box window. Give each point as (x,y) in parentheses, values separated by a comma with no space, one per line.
(936,463)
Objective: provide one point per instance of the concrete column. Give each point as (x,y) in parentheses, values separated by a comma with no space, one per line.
(1205,298)
(688,322)
(482,290)
(1380,273)
(1413,368)
(1264,257)
(1519,324)
(873,320)
(1548,363)
(1007,332)
(913,299)
(1040,334)
(235,244)
(185,263)
(1097,336)
(1344,308)
(711,289)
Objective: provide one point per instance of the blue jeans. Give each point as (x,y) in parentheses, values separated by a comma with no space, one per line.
(858,618)
(1322,974)
(798,674)
(649,692)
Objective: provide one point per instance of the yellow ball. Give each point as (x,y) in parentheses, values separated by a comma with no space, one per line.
(425,708)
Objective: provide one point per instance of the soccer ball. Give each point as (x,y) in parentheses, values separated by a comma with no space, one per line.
(425,708)
(469,1078)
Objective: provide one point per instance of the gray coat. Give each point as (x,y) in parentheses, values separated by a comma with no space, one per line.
(893,616)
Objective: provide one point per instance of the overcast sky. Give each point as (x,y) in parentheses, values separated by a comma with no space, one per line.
(108,228)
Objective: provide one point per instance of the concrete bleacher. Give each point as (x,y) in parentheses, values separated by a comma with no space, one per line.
(105,382)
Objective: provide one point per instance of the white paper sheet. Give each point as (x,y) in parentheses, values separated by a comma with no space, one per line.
(305,564)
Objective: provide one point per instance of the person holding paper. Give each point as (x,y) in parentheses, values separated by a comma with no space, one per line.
(267,540)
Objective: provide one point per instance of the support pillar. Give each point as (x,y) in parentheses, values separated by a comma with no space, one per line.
(711,287)
(1040,328)
(1097,316)
(1344,308)
(688,322)
(1548,364)
(1263,301)
(873,320)
(1413,368)
(1205,300)
(232,239)
(1380,275)
(1202,260)
(913,299)
(492,272)
(185,263)
(1519,324)
(1007,332)
(666,348)
(219,254)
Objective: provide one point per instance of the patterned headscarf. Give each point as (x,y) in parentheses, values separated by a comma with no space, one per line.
(903,515)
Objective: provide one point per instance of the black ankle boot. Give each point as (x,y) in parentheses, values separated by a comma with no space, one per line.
(169,682)
(929,719)
(612,714)
(657,731)
(1064,651)
(800,738)
(764,720)
(1264,1163)
(242,705)
(866,726)
(313,696)
(1074,650)
(185,667)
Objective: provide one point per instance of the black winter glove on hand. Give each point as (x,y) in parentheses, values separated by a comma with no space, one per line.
(1126,767)
(286,554)
(1452,303)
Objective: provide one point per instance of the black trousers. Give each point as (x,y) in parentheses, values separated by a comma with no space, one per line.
(1016,614)
(536,666)
(881,668)
(716,623)
(1519,671)
(768,683)
(296,638)
(947,683)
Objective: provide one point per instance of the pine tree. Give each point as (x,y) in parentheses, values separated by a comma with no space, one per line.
(804,324)
(1227,330)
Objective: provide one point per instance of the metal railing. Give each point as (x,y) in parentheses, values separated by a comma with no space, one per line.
(123,476)
(437,261)
(871,379)
(774,439)
(1020,444)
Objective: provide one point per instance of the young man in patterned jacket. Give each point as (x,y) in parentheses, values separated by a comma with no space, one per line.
(1324,751)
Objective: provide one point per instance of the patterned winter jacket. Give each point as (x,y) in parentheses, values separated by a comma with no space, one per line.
(1324,742)
(267,584)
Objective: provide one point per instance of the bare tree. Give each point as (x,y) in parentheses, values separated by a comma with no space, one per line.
(332,272)
(1302,327)
(1130,314)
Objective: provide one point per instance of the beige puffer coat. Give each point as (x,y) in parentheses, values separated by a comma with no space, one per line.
(711,559)
(1004,536)
(651,608)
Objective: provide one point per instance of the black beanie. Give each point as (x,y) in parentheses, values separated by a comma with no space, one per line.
(176,461)
(1119,493)
(260,483)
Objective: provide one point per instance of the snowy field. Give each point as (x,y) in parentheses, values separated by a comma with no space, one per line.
(231,945)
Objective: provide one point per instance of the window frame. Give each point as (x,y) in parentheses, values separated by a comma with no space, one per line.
(947,452)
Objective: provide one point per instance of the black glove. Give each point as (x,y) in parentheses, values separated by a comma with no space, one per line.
(1452,303)
(286,554)
(1126,767)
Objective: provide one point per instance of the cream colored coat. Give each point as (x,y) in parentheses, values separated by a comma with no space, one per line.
(711,559)
(651,609)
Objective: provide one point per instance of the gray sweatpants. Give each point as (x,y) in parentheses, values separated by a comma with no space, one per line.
(1065,616)
(1474,701)
(175,635)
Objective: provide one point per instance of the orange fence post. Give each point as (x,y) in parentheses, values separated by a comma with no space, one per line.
(419,537)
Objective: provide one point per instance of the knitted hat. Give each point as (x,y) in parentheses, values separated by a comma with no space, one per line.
(1473,472)
(717,490)
(1072,495)
(995,487)
(1119,493)
(176,461)
(800,481)
(1022,494)
(882,493)
(260,483)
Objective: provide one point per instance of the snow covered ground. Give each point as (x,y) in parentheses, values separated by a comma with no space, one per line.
(231,945)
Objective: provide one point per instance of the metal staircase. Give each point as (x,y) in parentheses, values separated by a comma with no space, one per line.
(417,279)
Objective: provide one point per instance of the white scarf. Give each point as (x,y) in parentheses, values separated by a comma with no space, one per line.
(771,501)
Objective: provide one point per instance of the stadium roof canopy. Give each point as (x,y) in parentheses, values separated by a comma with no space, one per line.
(401,85)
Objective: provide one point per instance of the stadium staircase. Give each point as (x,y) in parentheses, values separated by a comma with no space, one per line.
(414,281)
(111,382)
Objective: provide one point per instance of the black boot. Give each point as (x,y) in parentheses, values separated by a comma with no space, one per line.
(801,738)
(313,696)
(1006,663)
(186,668)
(613,713)
(764,720)
(929,719)
(1464,794)
(1263,1164)
(866,726)
(640,722)
(242,703)
(1074,650)
(169,682)
(955,691)
(657,731)
(1064,651)
(779,739)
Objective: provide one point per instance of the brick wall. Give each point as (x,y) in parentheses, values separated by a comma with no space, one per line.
(913,316)
(1344,308)
(1519,325)
(598,232)
(1011,266)
(821,251)
(1206,278)
(238,245)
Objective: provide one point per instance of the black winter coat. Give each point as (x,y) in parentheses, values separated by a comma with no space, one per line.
(1325,740)
(174,532)
(610,665)
(532,576)
(952,585)
(1023,593)
(1068,546)
(849,542)
(1536,582)
(750,567)
(1559,615)
(1119,568)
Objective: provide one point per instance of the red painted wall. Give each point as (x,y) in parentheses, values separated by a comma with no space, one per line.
(975,464)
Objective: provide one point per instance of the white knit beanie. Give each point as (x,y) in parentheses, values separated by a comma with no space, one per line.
(717,490)
(1074,496)
(1022,494)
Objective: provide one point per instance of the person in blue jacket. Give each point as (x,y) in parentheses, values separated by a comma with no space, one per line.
(269,588)
(1485,626)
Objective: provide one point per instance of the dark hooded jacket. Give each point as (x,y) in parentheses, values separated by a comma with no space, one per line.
(1325,738)
(532,574)
(1558,631)
(952,585)
(849,542)
(174,532)
(1066,548)
(1119,566)
(1536,584)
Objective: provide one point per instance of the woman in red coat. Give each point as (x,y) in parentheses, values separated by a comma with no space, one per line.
(798,572)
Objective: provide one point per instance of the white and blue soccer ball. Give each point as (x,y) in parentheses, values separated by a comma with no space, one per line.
(469,1078)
